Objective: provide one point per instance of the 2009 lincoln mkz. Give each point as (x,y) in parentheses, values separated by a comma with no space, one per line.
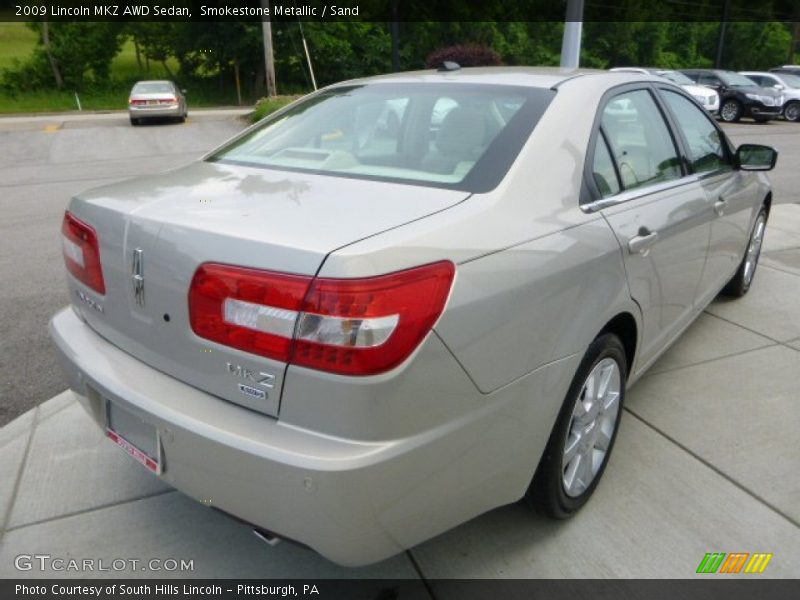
(402,301)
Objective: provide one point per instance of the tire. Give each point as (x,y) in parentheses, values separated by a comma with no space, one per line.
(558,489)
(135,122)
(739,285)
(792,111)
(730,111)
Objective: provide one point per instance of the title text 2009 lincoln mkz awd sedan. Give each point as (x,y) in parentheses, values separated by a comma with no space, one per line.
(403,301)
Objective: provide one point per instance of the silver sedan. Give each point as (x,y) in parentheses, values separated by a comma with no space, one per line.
(403,301)
(156,99)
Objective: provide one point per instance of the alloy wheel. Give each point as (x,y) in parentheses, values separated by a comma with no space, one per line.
(729,111)
(792,112)
(754,249)
(591,428)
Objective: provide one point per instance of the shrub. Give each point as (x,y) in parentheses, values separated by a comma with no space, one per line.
(466,55)
(267,106)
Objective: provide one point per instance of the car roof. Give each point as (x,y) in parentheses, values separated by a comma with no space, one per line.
(538,77)
(153,81)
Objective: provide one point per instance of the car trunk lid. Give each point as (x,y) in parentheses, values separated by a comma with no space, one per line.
(155,232)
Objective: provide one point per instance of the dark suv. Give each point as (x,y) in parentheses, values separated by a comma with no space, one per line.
(739,96)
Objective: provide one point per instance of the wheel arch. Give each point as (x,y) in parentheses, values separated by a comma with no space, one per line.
(624,326)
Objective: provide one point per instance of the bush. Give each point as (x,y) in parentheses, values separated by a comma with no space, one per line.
(267,106)
(466,55)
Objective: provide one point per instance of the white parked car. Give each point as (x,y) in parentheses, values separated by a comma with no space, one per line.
(785,82)
(707,97)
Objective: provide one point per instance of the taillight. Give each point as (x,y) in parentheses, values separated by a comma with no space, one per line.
(168,100)
(81,248)
(349,326)
(137,102)
(248,309)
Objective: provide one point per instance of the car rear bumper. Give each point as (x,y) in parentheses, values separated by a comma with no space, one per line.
(145,112)
(354,502)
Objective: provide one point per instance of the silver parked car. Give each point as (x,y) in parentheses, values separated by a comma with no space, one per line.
(358,331)
(156,99)
(786,83)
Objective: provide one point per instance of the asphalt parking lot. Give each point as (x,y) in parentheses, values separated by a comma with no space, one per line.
(706,461)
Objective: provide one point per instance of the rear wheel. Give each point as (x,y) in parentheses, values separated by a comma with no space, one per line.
(583,437)
(743,278)
(135,121)
(730,111)
(792,111)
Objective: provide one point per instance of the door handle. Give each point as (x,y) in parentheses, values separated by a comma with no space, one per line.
(720,205)
(641,243)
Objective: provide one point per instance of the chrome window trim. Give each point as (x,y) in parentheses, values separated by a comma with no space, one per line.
(636,193)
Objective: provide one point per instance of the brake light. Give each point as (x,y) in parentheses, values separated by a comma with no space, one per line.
(81,248)
(137,102)
(348,326)
(168,100)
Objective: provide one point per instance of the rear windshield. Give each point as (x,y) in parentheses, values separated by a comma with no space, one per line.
(153,87)
(457,136)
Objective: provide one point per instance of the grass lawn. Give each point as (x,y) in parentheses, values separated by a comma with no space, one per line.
(16,41)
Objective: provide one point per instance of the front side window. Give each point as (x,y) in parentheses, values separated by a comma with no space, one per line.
(640,141)
(459,136)
(705,145)
(735,80)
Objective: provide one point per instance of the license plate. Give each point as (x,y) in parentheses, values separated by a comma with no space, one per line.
(136,437)
(151,102)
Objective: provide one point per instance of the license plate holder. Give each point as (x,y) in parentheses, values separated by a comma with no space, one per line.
(138,439)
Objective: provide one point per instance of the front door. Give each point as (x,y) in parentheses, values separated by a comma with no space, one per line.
(658,215)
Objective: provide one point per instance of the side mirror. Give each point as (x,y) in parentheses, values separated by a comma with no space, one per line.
(755,157)
(778,86)
(183,91)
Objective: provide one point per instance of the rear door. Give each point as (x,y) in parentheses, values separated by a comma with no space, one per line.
(656,209)
(729,194)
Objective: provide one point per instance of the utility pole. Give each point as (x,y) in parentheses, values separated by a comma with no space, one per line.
(394,29)
(269,57)
(723,26)
(573,28)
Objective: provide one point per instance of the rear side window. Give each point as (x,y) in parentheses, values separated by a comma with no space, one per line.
(705,146)
(605,176)
(639,140)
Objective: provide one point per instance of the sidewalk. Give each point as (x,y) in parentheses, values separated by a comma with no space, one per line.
(707,460)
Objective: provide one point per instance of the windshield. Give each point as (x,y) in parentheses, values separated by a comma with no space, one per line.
(676,77)
(736,80)
(153,87)
(459,136)
(793,81)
